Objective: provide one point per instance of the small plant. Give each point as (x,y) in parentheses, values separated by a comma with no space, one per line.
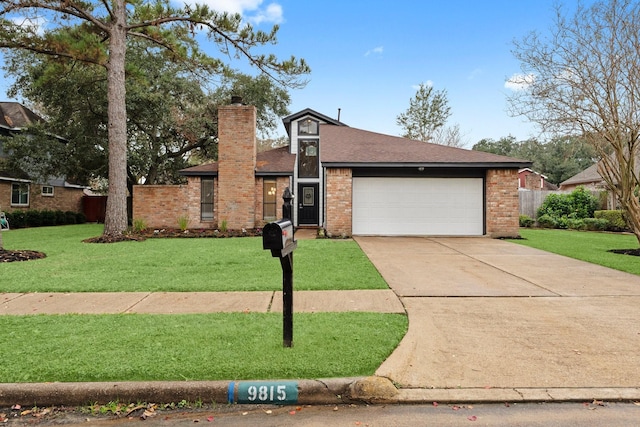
(139,225)
(223,226)
(526,221)
(183,222)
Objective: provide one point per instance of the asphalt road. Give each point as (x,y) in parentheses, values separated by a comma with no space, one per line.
(593,413)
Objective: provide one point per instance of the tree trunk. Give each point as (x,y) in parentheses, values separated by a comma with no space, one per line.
(115,222)
(1,247)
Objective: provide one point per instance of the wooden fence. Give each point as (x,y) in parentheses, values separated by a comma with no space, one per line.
(530,201)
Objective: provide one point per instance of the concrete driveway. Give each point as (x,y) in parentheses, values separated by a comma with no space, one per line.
(486,313)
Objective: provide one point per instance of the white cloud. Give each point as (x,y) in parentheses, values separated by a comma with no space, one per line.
(519,81)
(251,10)
(475,73)
(37,24)
(271,14)
(376,50)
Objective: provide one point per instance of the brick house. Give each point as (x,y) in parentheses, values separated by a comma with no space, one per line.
(345,180)
(17,190)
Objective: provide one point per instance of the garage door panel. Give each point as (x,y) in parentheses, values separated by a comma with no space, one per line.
(418,206)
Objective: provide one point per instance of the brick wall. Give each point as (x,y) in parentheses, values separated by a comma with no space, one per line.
(503,204)
(339,201)
(160,206)
(236,166)
(63,199)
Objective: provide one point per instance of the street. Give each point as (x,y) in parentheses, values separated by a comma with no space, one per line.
(594,413)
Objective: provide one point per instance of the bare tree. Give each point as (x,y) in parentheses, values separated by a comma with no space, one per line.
(450,136)
(584,78)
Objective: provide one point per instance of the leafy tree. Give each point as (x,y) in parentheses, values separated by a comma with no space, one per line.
(96,32)
(428,111)
(584,79)
(170,118)
(557,159)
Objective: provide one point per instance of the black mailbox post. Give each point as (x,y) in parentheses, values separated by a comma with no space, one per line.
(278,237)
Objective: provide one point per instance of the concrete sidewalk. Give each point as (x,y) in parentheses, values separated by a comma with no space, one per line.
(489,321)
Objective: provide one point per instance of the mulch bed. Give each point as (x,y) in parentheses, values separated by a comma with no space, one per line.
(11,256)
(634,252)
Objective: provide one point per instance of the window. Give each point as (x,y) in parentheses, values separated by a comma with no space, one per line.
(19,194)
(269,199)
(307,127)
(206,199)
(308,158)
(47,190)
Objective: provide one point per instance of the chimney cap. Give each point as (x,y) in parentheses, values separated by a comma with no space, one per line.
(236,100)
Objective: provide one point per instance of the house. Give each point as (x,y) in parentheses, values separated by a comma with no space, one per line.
(17,190)
(590,179)
(345,180)
(528,179)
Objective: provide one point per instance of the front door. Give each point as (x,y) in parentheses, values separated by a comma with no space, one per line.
(308,204)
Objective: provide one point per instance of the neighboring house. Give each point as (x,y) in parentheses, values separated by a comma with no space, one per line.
(17,190)
(590,179)
(529,179)
(347,181)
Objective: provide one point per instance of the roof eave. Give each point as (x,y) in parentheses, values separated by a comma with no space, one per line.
(483,165)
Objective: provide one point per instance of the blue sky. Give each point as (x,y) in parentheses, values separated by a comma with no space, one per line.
(367,57)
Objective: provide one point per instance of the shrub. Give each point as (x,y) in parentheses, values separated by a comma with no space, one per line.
(69,217)
(32,218)
(526,221)
(17,219)
(81,218)
(576,224)
(47,218)
(61,218)
(615,218)
(139,225)
(547,221)
(596,224)
(183,222)
(579,204)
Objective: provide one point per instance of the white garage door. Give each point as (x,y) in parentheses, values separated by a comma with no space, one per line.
(418,206)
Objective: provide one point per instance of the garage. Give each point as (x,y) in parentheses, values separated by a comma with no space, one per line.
(418,206)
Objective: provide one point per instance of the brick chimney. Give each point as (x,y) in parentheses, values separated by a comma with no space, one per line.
(236,165)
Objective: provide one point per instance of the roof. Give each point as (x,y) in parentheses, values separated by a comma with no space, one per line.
(276,162)
(308,112)
(14,115)
(588,175)
(351,147)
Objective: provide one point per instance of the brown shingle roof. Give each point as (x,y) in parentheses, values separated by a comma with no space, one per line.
(587,176)
(272,162)
(15,116)
(357,147)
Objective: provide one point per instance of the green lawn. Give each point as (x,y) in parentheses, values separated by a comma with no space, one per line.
(189,265)
(218,346)
(194,347)
(584,245)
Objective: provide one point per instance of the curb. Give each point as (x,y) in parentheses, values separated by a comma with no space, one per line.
(370,390)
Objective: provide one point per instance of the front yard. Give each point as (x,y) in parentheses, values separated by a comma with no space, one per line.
(217,346)
(587,246)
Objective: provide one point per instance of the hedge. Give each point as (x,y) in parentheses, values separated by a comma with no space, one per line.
(36,218)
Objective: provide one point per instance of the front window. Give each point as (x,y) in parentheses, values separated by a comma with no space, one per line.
(47,190)
(308,158)
(206,199)
(19,194)
(308,127)
(269,199)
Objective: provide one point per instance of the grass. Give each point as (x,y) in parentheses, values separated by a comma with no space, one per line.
(194,347)
(176,265)
(586,246)
(218,346)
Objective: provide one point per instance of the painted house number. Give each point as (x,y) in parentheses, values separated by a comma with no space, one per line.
(267,392)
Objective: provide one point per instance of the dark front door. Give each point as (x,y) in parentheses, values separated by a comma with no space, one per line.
(308,204)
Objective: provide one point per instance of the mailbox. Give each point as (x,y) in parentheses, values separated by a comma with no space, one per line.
(278,236)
